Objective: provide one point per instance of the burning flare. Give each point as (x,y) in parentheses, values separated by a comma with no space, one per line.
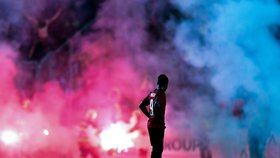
(9,137)
(118,137)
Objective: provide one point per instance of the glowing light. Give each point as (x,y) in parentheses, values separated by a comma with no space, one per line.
(26,103)
(118,137)
(46,132)
(92,114)
(9,137)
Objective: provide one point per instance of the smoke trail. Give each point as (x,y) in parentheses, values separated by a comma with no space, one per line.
(32,114)
(229,52)
(8,71)
(30,118)
(98,75)
(234,39)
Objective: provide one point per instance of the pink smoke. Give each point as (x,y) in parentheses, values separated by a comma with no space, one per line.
(104,72)
(112,87)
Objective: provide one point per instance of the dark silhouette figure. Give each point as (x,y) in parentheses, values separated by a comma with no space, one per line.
(156,103)
(42,32)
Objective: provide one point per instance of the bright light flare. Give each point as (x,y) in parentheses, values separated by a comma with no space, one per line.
(9,137)
(118,137)
(46,132)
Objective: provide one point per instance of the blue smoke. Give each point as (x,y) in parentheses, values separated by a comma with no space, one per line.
(235,39)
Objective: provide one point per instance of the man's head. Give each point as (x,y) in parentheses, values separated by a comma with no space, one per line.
(162,81)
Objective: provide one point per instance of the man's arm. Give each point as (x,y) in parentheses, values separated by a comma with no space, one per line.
(143,108)
(57,14)
(33,21)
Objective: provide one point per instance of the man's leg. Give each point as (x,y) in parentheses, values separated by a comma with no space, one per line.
(156,139)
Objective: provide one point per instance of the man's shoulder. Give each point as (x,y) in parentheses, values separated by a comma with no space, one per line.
(158,93)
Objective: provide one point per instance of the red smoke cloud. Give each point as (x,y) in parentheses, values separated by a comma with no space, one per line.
(110,86)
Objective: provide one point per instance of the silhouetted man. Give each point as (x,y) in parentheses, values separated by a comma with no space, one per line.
(156,102)
(42,31)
